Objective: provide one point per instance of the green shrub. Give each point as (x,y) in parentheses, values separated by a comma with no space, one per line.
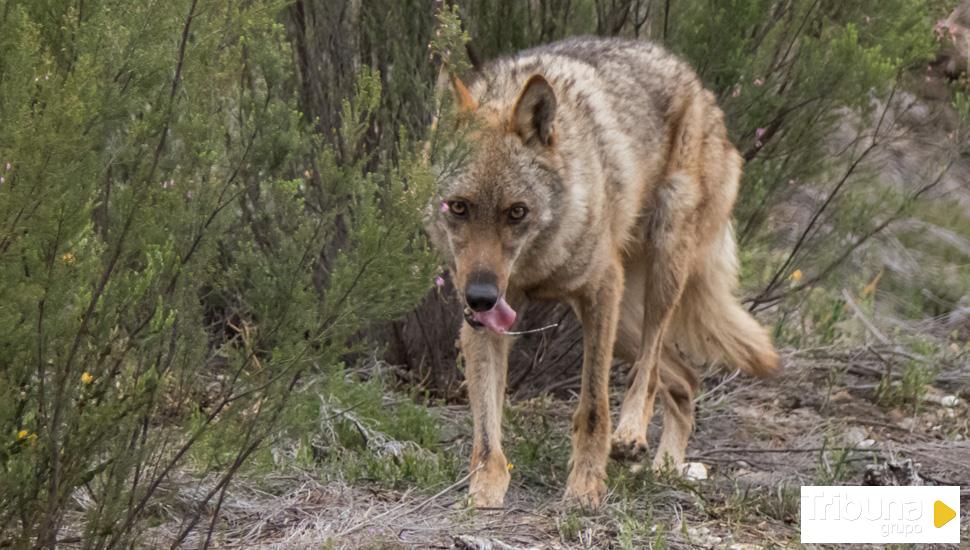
(179,251)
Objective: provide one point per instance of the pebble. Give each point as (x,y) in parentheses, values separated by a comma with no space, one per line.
(948,401)
(702,536)
(854,436)
(695,471)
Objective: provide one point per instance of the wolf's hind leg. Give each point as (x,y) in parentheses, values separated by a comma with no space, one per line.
(486,362)
(667,252)
(678,385)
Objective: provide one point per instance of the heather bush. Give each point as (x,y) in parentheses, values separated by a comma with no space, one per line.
(181,250)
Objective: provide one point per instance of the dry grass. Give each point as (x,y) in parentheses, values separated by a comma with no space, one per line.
(818,422)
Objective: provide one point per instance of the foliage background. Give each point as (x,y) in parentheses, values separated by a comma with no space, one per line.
(210,213)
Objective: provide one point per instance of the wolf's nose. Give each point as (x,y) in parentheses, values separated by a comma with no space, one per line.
(481,296)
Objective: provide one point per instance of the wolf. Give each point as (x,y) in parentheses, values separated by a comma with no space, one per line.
(600,173)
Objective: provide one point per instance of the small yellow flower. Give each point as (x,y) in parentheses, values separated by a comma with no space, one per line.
(87,378)
(795,276)
(22,434)
(68,258)
(509,466)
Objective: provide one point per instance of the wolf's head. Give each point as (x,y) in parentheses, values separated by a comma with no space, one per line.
(496,204)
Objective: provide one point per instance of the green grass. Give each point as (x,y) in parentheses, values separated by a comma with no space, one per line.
(348,430)
(537,449)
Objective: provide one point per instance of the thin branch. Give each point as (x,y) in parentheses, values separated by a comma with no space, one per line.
(828,269)
(863,319)
(783,450)
(811,226)
(666,20)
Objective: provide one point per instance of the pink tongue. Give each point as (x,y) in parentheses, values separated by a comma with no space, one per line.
(499,318)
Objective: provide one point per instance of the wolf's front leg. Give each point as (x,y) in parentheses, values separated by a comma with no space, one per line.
(486,362)
(598,307)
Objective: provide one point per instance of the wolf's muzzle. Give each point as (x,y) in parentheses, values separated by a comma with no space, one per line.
(481,293)
(470,319)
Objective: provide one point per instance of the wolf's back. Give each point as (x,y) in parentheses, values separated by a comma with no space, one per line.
(634,81)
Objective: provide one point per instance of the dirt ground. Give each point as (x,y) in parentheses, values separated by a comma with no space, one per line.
(816,423)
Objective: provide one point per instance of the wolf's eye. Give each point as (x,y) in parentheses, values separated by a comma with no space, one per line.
(517,213)
(459,209)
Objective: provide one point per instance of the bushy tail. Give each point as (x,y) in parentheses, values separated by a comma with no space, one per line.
(712,326)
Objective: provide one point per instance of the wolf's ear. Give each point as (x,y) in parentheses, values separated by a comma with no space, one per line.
(462,96)
(535,111)
(448,82)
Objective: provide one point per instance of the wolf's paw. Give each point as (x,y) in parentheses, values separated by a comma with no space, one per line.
(628,446)
(585,488)
(488,487)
